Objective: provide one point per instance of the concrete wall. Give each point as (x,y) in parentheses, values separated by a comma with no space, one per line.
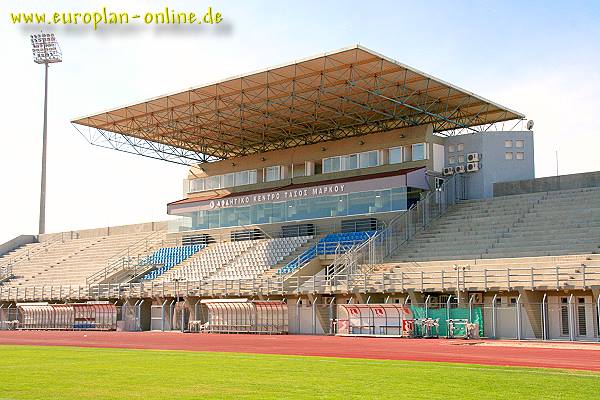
(107,231)
(16,243)
(550,183)
(494,167)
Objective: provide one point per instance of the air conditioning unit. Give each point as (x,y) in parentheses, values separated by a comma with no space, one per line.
(448,171)
(472,167)
(472,157)
(459,169)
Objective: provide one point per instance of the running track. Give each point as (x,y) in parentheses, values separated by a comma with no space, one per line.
(566,356)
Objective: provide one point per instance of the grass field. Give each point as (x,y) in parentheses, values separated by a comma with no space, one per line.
(28,372)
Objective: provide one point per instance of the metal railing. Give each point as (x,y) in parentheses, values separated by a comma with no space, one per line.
(533,278)
(385,243)
(131,258)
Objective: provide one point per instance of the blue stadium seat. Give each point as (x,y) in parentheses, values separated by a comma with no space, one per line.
(168,257)
(333,243)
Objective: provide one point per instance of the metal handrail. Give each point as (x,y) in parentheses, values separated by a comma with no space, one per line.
(385,242)
(130,257)
(553,277)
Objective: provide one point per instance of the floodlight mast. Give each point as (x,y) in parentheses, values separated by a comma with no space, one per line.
(45,51)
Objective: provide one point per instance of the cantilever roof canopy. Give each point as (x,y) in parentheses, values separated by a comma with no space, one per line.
(349,92)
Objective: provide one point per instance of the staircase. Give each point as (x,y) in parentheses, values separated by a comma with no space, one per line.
(272,272)
(538,224)
(397,236)
(124,265)
(466,231)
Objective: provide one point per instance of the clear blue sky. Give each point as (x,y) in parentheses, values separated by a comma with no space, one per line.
(540,58)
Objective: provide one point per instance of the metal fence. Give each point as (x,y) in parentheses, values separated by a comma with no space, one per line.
(385,243)
(556,317)
(484,279)
(494,320)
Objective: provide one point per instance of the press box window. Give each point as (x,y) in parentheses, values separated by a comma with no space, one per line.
(419,151)
(349,161)
(272,173)
(396,155)
(331,164)
(197,185)
(212,182)
(245,177)
(520,155)
(228,180)
(508,155)
(369,159)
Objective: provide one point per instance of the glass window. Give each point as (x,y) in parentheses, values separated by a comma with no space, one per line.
(520,155)
(508,155)
(451,148)
(197,185)
(272,173)
(244,216)
(229,180)
(251,176)
(278,213)
(374,158)
(460,147)
(349,162)
(309,208)
(519,144)
(396,155)
(508,143)
(331,164)
(360,203)
(451,160)
(241,178)
(383,201)
(369,159)
(326,165)
(461,158)
(214,220)
(229,217)
(212,182)
(398,198)
(419,152)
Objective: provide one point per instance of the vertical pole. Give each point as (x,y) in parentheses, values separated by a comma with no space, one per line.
(598,312)
(471,308)
(42,224)
(570,318)
(518,310)
(298,330)
(314,316)
(494,317)
(448,314)
(331,330)
(544,317)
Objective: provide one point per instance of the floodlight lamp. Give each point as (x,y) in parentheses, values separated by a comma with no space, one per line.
(45,48)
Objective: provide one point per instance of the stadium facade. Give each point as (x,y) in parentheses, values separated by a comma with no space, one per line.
(340,194)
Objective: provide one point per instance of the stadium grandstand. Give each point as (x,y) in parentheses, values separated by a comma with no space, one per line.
(346,194)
